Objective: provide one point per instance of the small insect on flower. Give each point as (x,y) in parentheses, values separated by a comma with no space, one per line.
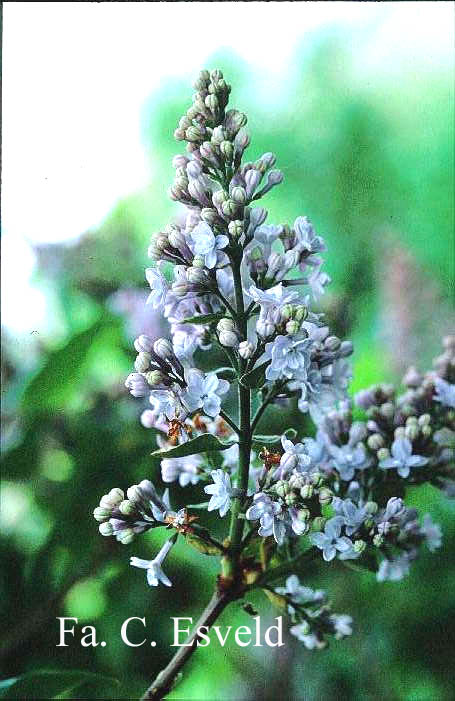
(269,459)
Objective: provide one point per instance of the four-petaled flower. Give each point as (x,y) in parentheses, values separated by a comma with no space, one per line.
(267,511)
(402,459)
(203,392)
(331,540)
(295,457)
(206,244)
(290,358)
(348,458)
(221,492)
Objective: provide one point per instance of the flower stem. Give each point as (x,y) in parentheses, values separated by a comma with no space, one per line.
(165,679)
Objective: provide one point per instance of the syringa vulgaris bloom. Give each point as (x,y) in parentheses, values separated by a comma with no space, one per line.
(228,282)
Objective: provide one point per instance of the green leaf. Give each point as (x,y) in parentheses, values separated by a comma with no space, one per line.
(202,546)
(226,374)
(265,440)
(201,444)
(51,684)
(202,505)
(256,377)
(204,318)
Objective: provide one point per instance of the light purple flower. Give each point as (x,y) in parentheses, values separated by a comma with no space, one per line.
(155,574)
(331,540)
(206,244)
(432,533)
(445,392)
(299,594)
(402,459)
(295,457)
(305,236)
(203,392)
(159,286)
(394,569)
(221,491)
(348,458)
(354,516)
(186,469)
(267,512)
(290,358)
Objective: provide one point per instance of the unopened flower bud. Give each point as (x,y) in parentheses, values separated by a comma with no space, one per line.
(227,150)
(225,325)
(154,377)
(399,433)
(229,339)
(359,546)
(375,442)
(325,496)
(179,134)
(246,350)
(346,349)
(411,432)
(209,215)
(234,121)
(387,410)
(241,141)
(102,513)
(317,478)
(211,102)
(238,194)
(179,161)
(195,133)
(371,507)
(218,135)
(378,540)
(306,491)
(264,328)
(292,327)
(127,508)
(424,420)
(163,348)
(229,208)
(142,362)
(332,343)
(383,454)
(218,198)
(235,228)
(426,431)
(106,528)
(126,536)
(266,161)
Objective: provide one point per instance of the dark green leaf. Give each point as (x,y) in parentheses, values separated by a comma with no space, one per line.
(51,684)
(204,318)
(202,444)
(255,378)
(226,374)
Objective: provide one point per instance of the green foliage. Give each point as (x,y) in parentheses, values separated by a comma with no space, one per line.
(205,443)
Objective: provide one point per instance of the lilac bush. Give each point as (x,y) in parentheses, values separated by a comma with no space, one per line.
(225,279)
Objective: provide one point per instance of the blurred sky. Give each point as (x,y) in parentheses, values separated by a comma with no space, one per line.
(76,77)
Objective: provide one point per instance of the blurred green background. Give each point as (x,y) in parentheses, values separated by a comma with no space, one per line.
(370,161)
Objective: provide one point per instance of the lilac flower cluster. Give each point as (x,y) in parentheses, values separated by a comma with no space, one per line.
(224,279)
